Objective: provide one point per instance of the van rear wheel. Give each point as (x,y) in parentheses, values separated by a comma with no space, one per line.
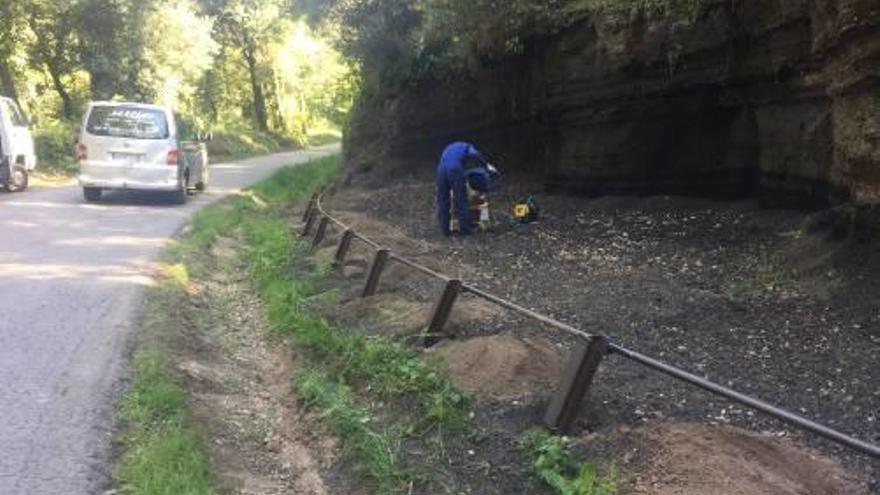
(18,179)
(92,194)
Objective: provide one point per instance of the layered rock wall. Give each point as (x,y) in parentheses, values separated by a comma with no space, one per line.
(736,97)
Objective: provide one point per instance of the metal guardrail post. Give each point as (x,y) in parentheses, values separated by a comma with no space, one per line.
(442,311)
(343,248)
(311,206)
(575,383)
(379,263)
(320,233)
(310,222)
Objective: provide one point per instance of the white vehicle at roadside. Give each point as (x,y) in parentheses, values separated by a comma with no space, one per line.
(135,146)
(17,157)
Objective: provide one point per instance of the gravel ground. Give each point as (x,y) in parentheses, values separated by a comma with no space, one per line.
(742,295)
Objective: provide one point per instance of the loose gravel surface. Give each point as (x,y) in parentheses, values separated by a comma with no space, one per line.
(72,276)
(743,295)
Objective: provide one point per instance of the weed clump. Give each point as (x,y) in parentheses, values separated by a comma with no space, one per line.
(163,452)
(336,402)
(555,466)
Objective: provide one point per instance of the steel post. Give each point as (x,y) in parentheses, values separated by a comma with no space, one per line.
(442,311)
(320,233)
(310,222)
(376,269)
(343,247)
(575,383)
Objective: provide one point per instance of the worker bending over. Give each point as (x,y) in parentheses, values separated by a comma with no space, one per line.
(459,161)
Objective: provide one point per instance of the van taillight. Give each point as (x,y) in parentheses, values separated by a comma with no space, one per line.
(81,153)
(173,156)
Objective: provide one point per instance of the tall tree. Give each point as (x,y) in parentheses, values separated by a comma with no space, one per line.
(11,39)
(107,32)
(52,23)
(248,26)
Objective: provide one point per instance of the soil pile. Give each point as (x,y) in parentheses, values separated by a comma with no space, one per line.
(695,460)
(502,366)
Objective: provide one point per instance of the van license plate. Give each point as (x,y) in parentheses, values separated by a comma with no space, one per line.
(124,157)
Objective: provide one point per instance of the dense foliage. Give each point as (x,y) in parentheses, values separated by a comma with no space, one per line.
(395,41)
(256,67)
(237,64)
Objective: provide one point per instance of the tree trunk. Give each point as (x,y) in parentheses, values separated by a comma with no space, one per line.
(66,101)
(259,97)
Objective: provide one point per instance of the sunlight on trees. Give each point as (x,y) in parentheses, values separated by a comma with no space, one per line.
(178,50)
(222,64)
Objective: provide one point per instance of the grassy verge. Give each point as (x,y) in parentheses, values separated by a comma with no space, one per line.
(54,142)
(163,452)
(238,143)
(376,449)
(554,464)
(360,367)
(347,373)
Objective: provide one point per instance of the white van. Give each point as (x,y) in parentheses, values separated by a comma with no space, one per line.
(133,146)
(17,157)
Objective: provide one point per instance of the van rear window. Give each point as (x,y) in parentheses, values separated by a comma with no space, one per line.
(128,122)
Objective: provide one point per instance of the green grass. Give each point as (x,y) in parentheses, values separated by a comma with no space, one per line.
(347,373)
(54,143)
(554,464)
(163,452)
(238,142)
(388,367)
(361,367)
(320,137)
(336,403)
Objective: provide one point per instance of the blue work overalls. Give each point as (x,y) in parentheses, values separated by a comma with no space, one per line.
(451,180)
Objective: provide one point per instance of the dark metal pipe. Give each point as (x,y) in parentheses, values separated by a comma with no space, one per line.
(781,414)
(420,268)
(527,312)
(369,242)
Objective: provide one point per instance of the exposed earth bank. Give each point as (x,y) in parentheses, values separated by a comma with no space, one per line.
(702,97)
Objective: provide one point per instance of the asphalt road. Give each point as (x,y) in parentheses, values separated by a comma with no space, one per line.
(71,281)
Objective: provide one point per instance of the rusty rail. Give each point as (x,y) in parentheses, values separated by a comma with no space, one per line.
(757,404)
(585,359)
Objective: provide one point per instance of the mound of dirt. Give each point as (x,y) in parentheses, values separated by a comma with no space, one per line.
(390,315)
(502,366)
(383,314)
(692,459)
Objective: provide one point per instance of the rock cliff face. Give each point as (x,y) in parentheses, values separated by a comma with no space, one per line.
(733,98)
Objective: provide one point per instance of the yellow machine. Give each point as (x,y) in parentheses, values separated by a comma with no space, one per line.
(526,209)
